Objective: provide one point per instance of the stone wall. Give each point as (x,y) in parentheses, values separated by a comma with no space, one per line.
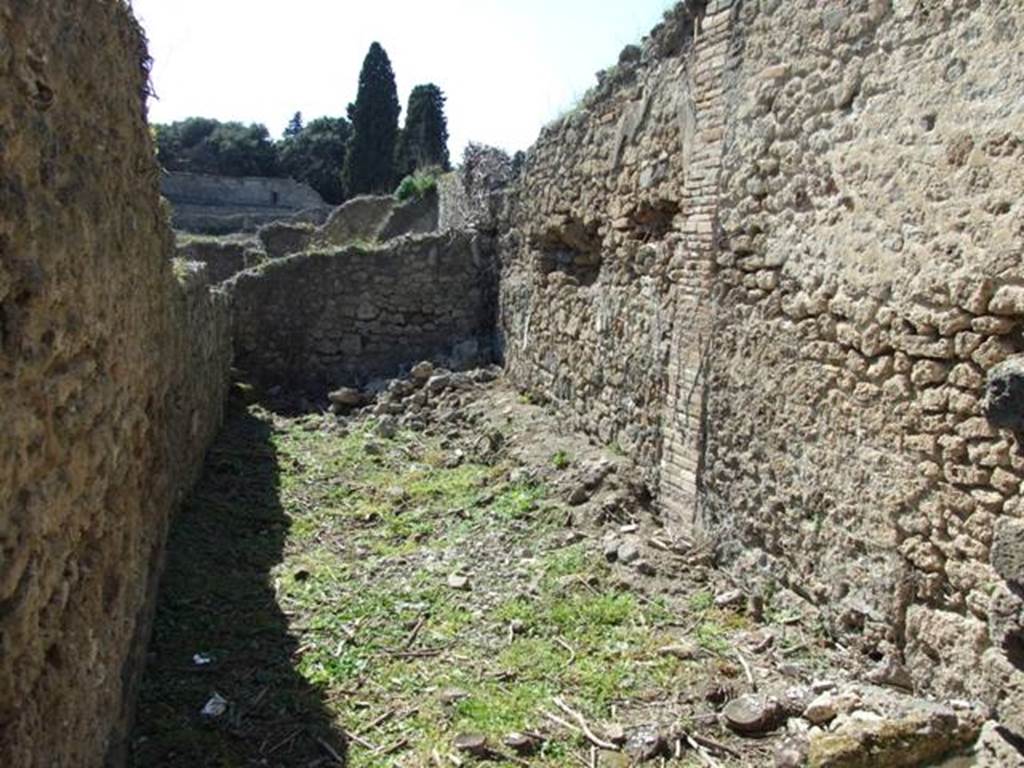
(322,319)
(223,257)
(112,373)
(594,241)
(774,256)
(473,195)
(869,277)
(378,218)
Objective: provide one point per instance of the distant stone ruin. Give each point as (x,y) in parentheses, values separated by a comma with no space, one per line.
(216,205)
(775,257)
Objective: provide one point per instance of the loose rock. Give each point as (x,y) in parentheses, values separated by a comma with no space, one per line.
(752,714)
(455,581)
(472,744)
(346,397)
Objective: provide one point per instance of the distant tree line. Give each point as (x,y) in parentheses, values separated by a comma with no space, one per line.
(340,157)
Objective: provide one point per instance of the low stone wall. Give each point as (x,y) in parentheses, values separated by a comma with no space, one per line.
(378,218)
(112,373)
(322,319)
(223,257)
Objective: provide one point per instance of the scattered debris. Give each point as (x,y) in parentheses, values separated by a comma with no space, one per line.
(216,706)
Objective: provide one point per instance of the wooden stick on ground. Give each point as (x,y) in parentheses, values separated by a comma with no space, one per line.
(361,741)
(572,653)
(415,631)
(718,746)
(330,751)
(593,739)
(382,719)
(747,671)
(702,753)
(556,719)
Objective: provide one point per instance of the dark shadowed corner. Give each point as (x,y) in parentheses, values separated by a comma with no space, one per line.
(220,634)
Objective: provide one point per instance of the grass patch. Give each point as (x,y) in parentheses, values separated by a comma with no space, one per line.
(313,566)
(560,460)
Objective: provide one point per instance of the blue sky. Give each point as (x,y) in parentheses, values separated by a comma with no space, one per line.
(507,66)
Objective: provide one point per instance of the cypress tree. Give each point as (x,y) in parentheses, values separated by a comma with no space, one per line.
(424,140)
(294,127)
(370,163)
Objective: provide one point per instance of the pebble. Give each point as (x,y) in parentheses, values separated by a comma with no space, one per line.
(472,744)
(449,696)
(523,744)
(645,567)
(730,599)
(821,686)
(422,371)
(387,427)
(628,552)
(438,383)
(752,714)
(346,396)
(611,550)
(791,753)
(683,650)
(455,581)
(821,710)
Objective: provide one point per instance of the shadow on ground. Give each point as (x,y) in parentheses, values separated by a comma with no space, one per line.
(217,600)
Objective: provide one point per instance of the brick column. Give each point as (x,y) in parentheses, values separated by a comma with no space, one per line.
(694,272)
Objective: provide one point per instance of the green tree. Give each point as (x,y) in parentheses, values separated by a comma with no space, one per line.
(424,139)
(243,150)
(294,127)
(316,155)
(370,163)
(202,145)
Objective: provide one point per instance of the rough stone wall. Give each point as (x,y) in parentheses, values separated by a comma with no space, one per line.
(473,196)
(869,275)
(321,319)
(112,369)
(774,256)
(378,218)
(223,257)
(594,239)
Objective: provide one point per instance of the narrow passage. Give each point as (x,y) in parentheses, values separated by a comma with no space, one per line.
(461,580)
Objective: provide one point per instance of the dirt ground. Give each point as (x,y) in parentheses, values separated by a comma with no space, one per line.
(447,579)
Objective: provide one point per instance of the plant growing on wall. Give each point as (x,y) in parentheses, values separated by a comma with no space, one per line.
(370,164)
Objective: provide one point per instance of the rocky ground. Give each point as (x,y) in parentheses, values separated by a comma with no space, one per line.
(436,572)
